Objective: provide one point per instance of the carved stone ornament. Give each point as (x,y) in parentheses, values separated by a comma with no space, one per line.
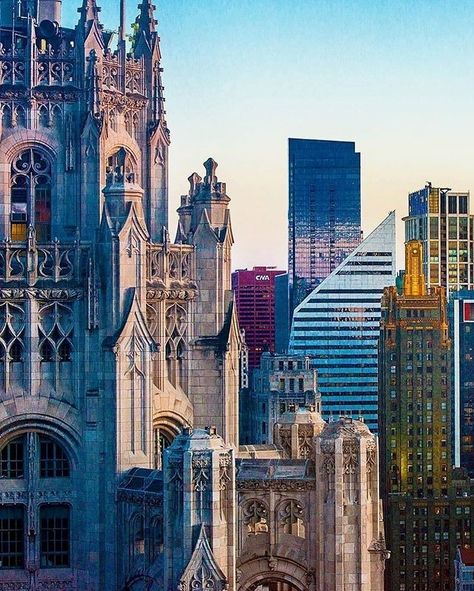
(328,465)
(140,498)
(282,485)
(378,546)
(351,457)
(225,465)
(272,563)
(201,472)
(185,294)
(371,456)
(49,496)
(305,440)
(175,475)
(40,294)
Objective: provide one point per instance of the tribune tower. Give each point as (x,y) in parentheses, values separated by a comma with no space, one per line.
(98,354)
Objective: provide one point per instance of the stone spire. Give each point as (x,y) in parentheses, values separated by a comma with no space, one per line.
(89,11)
(93,86)
(414,283)
(146,19)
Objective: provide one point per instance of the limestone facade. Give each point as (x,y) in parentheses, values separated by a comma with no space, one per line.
(117,343)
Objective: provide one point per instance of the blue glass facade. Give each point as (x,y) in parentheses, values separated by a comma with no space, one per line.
(461,323)
(338,326)
(324,211)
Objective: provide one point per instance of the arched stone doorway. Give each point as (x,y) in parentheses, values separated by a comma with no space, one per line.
(273,574)
(272,585)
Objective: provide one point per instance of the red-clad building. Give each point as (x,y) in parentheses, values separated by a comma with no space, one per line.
(255,300)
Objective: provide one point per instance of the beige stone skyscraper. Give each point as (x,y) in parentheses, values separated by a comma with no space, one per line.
(116,343)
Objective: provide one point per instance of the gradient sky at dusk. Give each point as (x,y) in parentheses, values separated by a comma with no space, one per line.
(241,76)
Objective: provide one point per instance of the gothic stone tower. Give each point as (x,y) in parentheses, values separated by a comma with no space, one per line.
(109,333)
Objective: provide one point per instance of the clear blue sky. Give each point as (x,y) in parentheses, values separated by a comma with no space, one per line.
(241,76)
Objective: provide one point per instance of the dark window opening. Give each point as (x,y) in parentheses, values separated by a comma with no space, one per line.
(54,536)
(12,462)
(12,545)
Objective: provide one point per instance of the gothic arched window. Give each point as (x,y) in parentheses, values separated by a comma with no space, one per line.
(137,537)
(291,518)
(30,195)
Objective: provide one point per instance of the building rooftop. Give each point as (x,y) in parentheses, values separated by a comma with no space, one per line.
(467,556)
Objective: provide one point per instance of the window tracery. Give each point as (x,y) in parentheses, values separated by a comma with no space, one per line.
(35,527)
(30,183)
(121,167)
(55,344)
(137,536)
(175,350)
(291,518)
(54,536)
(255,517)
(12,334)
(55,332)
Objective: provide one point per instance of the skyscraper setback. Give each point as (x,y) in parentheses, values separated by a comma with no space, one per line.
(324,211)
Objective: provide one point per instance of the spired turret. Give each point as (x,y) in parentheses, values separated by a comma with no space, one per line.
(296,430)
(347,456)
(199,512)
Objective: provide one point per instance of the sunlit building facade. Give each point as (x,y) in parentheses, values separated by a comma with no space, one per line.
(337,325)
(427,504)
(324,211)
(441,220)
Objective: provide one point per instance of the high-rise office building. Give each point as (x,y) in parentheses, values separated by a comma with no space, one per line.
(461,323)
(324,211)
(428,505)
(337,325)
(280,384)
(255,301)
(440,219)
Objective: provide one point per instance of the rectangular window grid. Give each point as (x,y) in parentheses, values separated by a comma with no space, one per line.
(55,545)
(12,550)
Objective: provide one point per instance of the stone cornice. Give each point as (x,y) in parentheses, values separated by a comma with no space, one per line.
(276,485)
(28,293)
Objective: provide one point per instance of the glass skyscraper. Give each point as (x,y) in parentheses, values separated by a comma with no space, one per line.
(338,326)
(324,211)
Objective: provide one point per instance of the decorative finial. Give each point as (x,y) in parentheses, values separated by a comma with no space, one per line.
(210,165)
(89,11)
(194,181)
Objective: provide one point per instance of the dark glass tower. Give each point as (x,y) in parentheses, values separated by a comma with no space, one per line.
(324,211)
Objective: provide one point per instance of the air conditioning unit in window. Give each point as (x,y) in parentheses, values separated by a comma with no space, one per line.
(18,217)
